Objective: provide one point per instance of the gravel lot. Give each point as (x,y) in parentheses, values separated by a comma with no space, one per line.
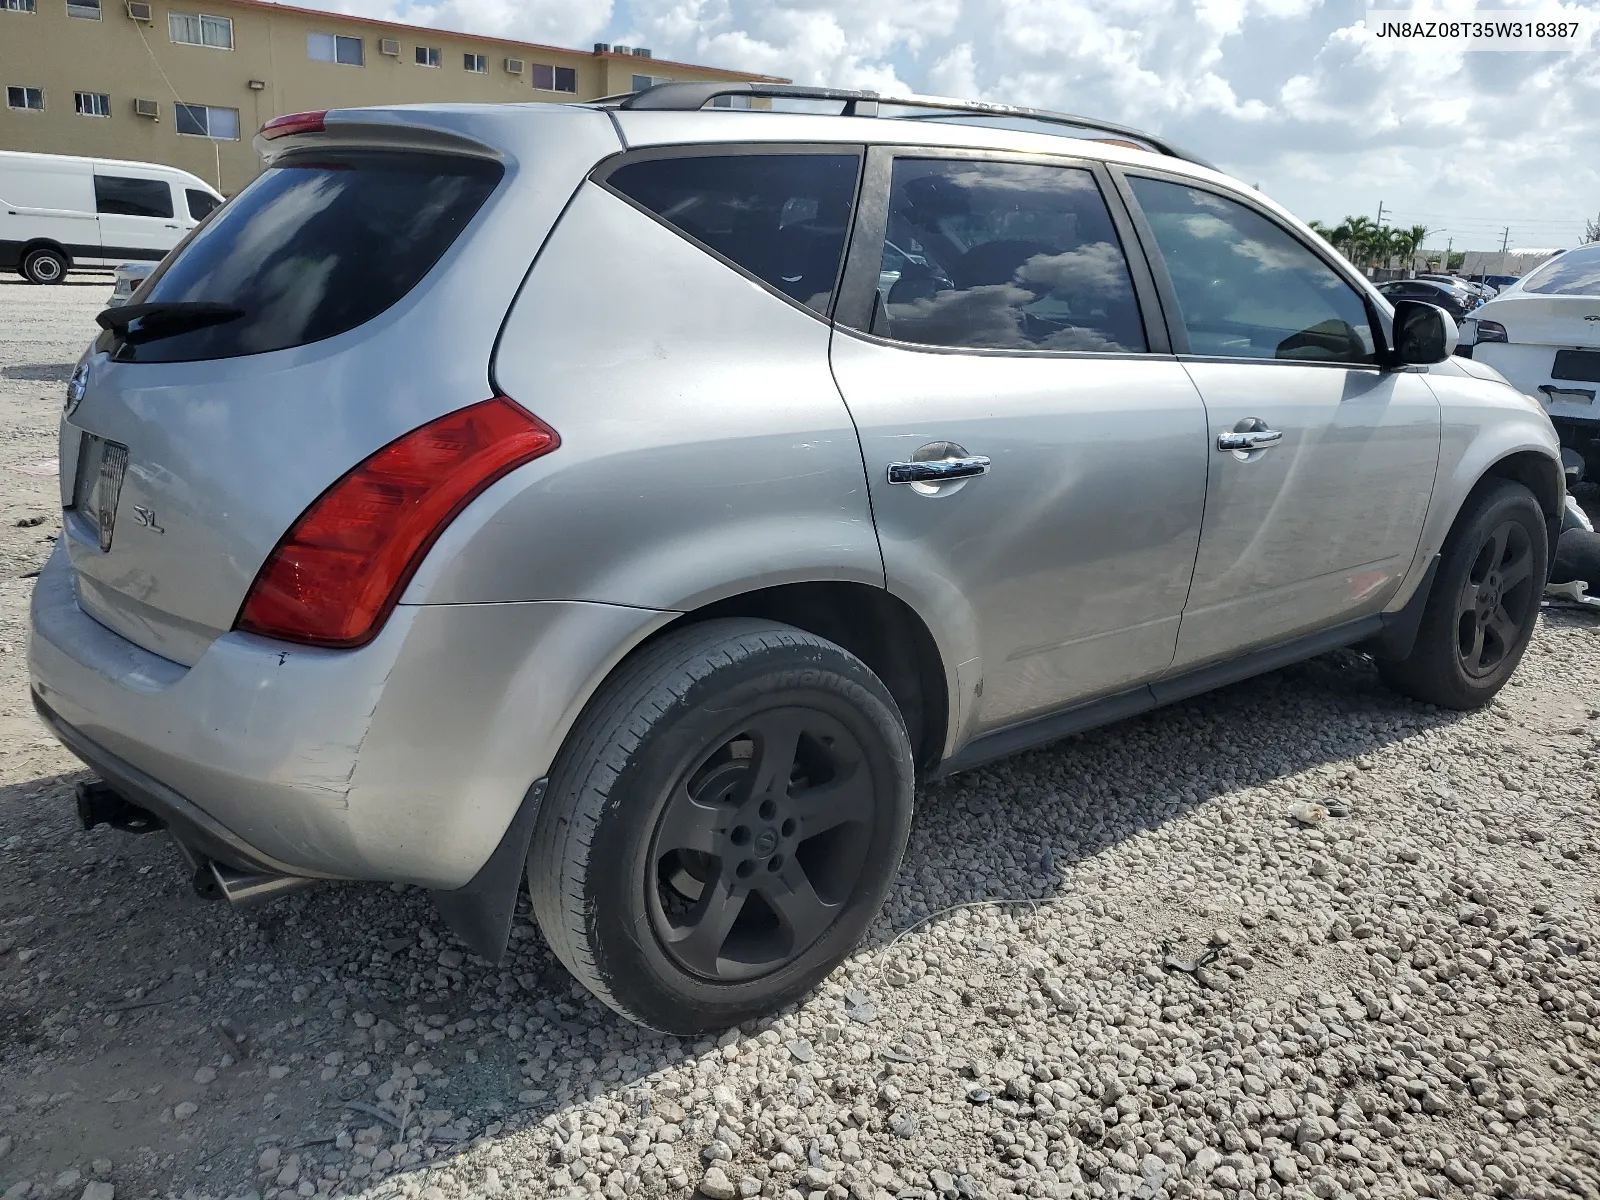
(1297,938)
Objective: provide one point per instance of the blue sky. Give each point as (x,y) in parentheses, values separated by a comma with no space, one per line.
(1293,95)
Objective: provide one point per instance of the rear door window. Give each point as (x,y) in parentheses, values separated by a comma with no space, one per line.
(314,247)
(1000,255)
(781,217)
(121,195)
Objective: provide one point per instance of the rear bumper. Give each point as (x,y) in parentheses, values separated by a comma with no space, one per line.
(1527,368)
(404,760)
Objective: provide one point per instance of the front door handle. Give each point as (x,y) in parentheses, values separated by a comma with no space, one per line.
(939,470)
(1249,439)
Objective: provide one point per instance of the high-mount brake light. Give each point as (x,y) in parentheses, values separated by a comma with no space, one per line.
(334,578)
(301,122)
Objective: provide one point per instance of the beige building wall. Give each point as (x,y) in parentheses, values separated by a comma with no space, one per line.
(267,72)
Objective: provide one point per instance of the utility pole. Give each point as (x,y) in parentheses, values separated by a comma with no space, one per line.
(1380,214)
(1505,239)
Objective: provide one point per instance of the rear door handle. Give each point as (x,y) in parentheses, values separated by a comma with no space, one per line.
(1249,439)
(939,470)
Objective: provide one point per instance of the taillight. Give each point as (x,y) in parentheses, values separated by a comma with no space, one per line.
(335,576)
(1490,331)
(301,122)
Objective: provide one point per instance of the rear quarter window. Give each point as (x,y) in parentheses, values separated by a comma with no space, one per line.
(783,217)
(316,246)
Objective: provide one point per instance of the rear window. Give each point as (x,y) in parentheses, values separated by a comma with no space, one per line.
(781,217)
(314,247)
(1575,273)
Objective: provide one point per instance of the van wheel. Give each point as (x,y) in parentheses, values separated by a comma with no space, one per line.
(722,824)
(43,265)
(1484,604)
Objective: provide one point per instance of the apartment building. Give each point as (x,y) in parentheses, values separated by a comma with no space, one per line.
(188,83)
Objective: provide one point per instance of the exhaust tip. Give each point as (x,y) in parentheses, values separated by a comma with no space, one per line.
(242,889)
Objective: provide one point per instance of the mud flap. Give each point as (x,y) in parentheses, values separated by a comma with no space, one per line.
(1399,632)
(480,912)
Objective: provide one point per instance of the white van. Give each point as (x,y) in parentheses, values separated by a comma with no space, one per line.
(58,213)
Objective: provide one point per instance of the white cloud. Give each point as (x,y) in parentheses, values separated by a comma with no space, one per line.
(1292,94)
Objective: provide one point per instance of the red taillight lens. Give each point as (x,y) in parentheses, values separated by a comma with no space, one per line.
(1491,331)
(337,573)
(306,122)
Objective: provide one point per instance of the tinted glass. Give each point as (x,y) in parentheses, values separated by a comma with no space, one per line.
(1575,273)
(782,217)
(200,203)
(314,247)
(1005,256)
(1246,287)
(119,195)
(191,118)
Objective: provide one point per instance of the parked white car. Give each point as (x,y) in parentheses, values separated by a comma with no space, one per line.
(1543,334)
(128,278)
(59,213)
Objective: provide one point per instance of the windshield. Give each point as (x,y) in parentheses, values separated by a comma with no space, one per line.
(1575,273)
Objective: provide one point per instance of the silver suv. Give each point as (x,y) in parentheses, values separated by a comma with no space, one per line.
(641,496)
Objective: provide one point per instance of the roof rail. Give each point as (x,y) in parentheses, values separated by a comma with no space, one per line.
(690,97)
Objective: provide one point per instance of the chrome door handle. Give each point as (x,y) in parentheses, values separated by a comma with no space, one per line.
(939,470)
(1252,439)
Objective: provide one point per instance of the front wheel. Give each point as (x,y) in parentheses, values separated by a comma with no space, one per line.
(1484,604)
(722,824)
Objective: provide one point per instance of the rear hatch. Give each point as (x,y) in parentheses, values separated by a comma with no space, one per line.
(1551,349)
(353,292)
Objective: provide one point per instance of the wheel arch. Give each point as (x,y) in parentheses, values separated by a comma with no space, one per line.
(43,243)
(1538,474)
(879,628)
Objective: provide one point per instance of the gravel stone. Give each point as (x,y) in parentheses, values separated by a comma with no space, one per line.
(715,1185)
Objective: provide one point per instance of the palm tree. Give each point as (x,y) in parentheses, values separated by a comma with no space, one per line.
(1419,234)
(1354,236)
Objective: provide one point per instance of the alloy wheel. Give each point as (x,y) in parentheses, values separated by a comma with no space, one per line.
(1494,601)
(760,845)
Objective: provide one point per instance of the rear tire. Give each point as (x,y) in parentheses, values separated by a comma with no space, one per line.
(1484,604)
(43,265)
(722,824)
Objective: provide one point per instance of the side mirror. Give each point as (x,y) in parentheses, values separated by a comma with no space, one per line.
(1423,334)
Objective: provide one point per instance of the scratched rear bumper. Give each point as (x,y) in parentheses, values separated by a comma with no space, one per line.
(403,760)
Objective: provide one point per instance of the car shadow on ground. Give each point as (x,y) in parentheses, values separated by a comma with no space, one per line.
(130,983)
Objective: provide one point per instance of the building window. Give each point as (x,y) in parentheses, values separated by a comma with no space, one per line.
(89,10)
(201,29)
(640,82)
(92,104)
(16,5)
(478,63)
(200,120)
(428,56)
(554,79)
(730,102)
(25,97)
(334,48)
